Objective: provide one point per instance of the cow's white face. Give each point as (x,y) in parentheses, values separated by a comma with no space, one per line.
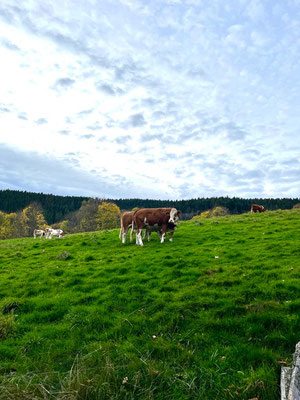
(174,215)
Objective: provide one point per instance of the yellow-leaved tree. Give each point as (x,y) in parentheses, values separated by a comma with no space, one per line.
(108,216)
(64,225)
(4,228)
(9,226)
(32,218)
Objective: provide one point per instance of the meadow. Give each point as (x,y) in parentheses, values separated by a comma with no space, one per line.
(212,315)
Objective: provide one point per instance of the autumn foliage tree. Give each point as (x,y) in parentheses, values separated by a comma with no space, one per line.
(32,218)
(20,224)
(108,216)
(85,219)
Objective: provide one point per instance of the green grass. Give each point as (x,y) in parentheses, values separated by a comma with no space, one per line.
(208,316)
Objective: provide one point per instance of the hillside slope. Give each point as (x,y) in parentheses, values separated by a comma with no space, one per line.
(212,315)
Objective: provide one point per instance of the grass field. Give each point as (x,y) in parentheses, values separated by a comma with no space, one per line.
(212,315)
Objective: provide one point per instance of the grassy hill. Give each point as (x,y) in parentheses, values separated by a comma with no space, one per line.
(212,315)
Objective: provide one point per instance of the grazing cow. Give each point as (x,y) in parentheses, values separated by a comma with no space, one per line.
(53,232)
(38,232)
(126,223)
(256,208)
(154,216)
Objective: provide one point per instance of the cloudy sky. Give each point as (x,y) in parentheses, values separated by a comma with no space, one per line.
(165,99)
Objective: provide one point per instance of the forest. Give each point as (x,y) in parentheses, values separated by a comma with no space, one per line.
(57,208)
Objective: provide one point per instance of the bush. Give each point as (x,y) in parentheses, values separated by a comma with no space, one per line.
(215,212)
(219,211)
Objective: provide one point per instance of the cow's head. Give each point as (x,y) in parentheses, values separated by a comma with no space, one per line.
(172,226)
(174,215)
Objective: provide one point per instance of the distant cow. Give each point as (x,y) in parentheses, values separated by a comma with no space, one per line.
(49,232)
(38,232)
(154,216)
(256,208)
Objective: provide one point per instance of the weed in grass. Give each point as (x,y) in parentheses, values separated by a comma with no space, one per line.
(7,326)
(64,256)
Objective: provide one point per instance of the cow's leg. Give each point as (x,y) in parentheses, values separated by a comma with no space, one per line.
(171,236)
(145,232)
(124,235)
(159,234)
(164,231)
(139,237)
(148,232)
(131,232)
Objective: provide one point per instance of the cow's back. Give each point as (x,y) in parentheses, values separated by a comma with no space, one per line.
(152,216)
(127,217)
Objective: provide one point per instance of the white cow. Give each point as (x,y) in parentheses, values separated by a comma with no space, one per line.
(53,232)
(38,232)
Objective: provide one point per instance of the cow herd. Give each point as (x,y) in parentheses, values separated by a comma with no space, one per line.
(159,220)
(48,233)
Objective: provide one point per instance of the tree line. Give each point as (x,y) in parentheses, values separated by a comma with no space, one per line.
(56,208)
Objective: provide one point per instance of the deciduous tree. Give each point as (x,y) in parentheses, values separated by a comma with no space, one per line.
(108,216)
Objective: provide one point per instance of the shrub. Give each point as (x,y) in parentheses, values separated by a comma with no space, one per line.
(219,211)
(215,212)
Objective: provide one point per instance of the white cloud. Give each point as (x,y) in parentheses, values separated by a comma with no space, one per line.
(130,89)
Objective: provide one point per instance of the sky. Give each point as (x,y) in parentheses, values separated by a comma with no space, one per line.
(160,99)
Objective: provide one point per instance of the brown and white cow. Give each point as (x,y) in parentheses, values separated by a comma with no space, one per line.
(126,223)
(154,216)
(257,208)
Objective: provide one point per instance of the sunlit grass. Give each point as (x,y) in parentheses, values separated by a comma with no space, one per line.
(208,316)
